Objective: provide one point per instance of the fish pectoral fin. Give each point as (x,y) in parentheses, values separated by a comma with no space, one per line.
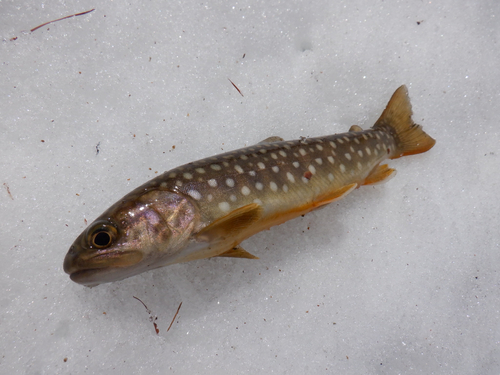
(334,195)
(381,173)
(271,140)
(231,224)
(355,128)
(238,252)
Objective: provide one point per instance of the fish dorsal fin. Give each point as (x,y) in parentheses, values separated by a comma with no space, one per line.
(355,128)
(238,252)
(232,223)
(272,139)
(334,195)
(381,173)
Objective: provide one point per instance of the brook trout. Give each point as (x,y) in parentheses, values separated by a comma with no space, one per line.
(206,208)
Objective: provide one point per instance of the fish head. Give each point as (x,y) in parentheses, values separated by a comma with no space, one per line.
(140,232)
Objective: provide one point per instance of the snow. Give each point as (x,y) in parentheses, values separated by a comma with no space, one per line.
(398,278)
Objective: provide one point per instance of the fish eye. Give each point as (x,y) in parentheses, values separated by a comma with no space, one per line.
(102,235)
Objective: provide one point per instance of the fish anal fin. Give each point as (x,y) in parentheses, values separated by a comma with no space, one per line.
(272,139)
(238,252)
(231,224)
(355,128)
(379,174)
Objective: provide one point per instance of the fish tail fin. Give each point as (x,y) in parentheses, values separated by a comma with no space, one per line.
(396,119)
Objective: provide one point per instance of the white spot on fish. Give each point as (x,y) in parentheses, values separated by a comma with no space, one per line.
(232,198)
(356,140)
(365,137)
(230,182)
(319,161)
(187,176)
(200,170)
(346,139)
(283,153)
(347,156)
(274,156)
(275,169)
(360,153)
(331,159)
(360,167)
(351,148)
(368,151)
(312,169)
(333,144)
(245,190)
(163,185)
(178,183)
(263,150)
(342,168)
(225,164)
(285,188)
(244,157)
(172,175)
(302,152)
(212,183)
(259,186)
(330,177)
(340,141)
(216,167)
(375,152)
(273,186)
(194,194)
(296,164)
(210,197)
(319,147)
(238,168)
(261,165)
(305,180)
(377,136)
(224,206)
(252,173)
(290,177)
(258,201)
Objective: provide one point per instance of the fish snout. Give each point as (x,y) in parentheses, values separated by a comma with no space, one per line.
(70,260)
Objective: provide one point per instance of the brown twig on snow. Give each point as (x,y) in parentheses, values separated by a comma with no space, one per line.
(63,18)
(174,317)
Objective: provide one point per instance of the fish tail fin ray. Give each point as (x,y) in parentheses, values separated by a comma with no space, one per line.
(396,119)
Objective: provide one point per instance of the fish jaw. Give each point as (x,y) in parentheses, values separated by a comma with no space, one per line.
(144,230)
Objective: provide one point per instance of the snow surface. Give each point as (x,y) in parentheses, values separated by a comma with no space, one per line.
(398,278)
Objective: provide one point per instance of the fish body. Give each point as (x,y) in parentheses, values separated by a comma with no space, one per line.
(206,208)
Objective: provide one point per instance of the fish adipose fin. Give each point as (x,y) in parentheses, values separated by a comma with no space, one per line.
(381,173)
(272,139)
(355,128)
(238,252)
(231,224)
(396,119)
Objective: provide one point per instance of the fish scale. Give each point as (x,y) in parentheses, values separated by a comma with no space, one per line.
(208,207)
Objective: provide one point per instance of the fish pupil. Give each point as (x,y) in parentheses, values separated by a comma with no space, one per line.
(102,239)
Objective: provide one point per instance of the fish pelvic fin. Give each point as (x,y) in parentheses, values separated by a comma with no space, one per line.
(396,119)
(238,252)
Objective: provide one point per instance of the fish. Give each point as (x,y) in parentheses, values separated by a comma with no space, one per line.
(206,208)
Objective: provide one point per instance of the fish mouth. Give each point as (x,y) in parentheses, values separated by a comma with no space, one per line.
(101,268)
